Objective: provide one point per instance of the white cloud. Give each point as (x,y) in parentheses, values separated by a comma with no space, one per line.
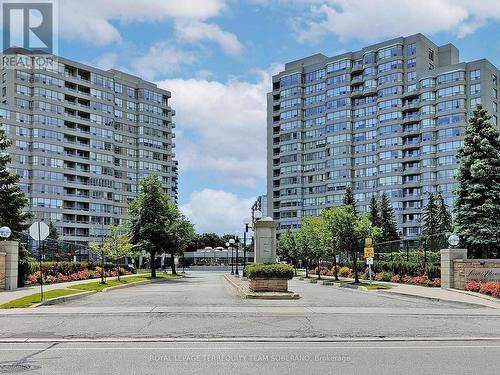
(371,20)
(217,211)
(195,31)
(161,59)
(107,61)
(228,121)
(91,21)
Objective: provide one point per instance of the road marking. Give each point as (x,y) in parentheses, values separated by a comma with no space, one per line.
(265,348)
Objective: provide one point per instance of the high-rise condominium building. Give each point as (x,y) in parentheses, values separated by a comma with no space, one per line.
(82,140)
(388,118)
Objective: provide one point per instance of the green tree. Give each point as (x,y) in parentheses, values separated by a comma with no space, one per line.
(477,207)
(118,246)
(431,226)
(312,237)
(12,204)
(286,248)
(150,215)
(349,232)
(387,220)
(373,212)
(444,220)
(178,232)
(12,199)
(348,199)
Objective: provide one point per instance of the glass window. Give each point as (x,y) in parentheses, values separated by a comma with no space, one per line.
(475,74)
(411,49)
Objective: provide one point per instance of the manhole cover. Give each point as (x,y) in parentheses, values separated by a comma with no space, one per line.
(11,369)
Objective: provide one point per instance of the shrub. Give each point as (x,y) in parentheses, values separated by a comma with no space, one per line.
(492,288)
(345,271)
(256,270)
(329,273)
(419,280)
(436,282)
(396,279)
(384,276)
(473,286)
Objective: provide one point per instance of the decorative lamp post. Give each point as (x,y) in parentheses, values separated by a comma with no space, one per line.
(5,232)
(231,243)
(248,223)
(453,240)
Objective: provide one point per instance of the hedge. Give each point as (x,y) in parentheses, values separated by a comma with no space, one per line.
(283,271)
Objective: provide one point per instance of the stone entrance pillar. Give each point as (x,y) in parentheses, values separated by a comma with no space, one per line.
(9,252)
(265,241)
(447,258)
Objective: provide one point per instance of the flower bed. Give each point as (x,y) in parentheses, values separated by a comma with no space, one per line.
(491,288)
(59,272)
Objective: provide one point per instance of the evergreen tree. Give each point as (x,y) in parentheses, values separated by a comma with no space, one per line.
(348,199)
(431,225)
(12,199)
(387,220)
(373,213)
(12,204)
(430,216)
(51,243)
(443,215)
(477,207)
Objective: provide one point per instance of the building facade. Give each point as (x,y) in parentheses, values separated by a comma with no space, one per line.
(388,118)
(82,140)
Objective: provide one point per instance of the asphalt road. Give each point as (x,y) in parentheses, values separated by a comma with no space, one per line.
(203,305)
(372,358)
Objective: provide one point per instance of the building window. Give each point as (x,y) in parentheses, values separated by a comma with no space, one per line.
(475,88)
(411,63)
(431,54)
(431,66)
(411,76)
(411,49)
(495,80)
(495,94)
(474,102)
(475,74)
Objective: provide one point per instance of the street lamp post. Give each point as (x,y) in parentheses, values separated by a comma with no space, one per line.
(247,222)
(231,243)
(237,242)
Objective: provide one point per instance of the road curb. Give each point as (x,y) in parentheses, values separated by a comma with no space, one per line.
(249,295)
(478,295)
(71,297)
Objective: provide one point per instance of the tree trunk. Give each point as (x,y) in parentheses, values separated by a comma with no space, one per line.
(485,252)
(153,264)
(319,270)
(307,266)
(118,270)
(355,266)
(172,258)
(335,268)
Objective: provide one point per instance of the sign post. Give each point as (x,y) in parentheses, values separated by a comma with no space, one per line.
(39,231)
(369,254)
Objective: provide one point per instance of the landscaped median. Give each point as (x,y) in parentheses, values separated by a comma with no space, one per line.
(60,295)
(265,281)
(345,283)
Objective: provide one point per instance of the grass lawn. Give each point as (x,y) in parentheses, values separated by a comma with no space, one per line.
(35,298)
(373,286)
(97,286)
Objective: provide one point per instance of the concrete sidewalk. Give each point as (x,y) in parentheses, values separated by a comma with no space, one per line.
(441,294)
(9,295)
(432,293)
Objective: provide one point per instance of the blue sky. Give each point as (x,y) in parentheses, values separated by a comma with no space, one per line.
(217,57)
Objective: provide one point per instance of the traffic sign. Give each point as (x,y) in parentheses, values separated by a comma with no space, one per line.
(368,242)
(369,252)
(39,231)
(369,261)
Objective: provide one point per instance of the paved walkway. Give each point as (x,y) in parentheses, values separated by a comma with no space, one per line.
(440,294)
(9,295)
